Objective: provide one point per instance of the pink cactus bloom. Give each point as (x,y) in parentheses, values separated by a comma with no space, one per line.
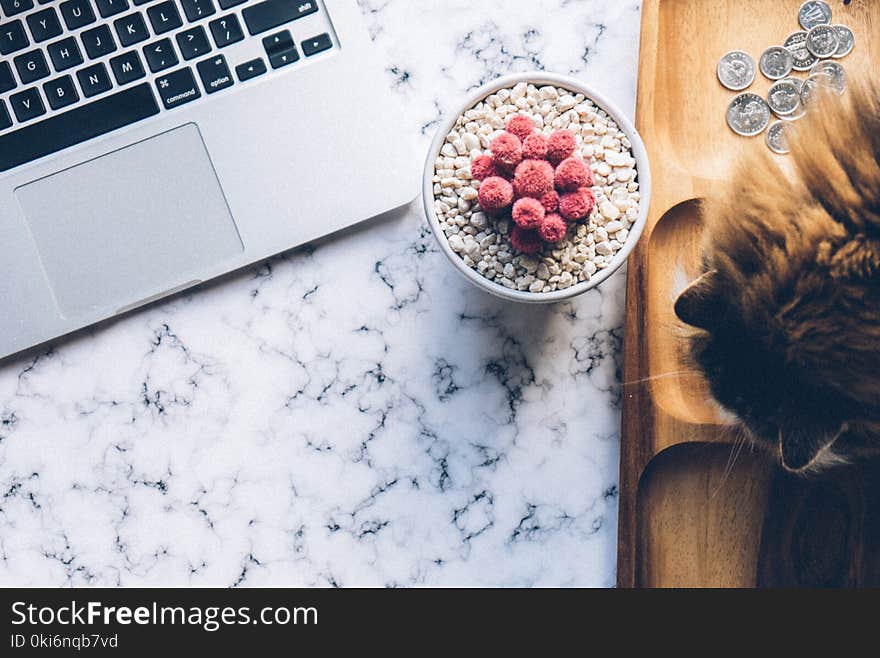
(506,151)
(526,240)
(577,205)
(550,201)
(535,147)
(553,228)
(528,213)
(521,126)
(533,178)
(495,194)
(572,174)
(560,146)
(482,167)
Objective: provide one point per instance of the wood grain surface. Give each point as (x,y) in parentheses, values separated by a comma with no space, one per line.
(687,516)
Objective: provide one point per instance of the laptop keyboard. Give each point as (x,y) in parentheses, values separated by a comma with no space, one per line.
(73,70)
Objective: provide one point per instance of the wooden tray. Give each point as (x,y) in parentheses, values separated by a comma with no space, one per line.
(687,518)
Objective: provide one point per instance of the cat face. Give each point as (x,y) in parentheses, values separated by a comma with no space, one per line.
(788,312)
(749,357)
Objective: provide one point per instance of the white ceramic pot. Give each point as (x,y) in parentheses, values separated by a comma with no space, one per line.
(539,79)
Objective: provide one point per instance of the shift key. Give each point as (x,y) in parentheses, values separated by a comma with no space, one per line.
(177,88)
(272,13)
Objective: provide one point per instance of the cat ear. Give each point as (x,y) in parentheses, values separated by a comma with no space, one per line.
(801,445)
(700,303)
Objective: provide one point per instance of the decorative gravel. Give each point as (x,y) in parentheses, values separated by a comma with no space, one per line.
(482,241)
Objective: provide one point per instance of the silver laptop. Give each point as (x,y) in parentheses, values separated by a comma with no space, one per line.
(149,145)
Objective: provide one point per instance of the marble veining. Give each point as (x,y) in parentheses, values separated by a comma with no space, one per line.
(352,413)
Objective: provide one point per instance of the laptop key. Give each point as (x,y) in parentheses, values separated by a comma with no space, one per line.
(31,66)
(177,88)
(264,16)
(94,80)
(77,125)
(108,8)
(196,10)
(160,55)
(215,74)
(127,67)
(164,17)
(277,42)
(60,92)
(44,24)
(226,4)
(13,38)
(13,7)
(226,30)
(77,14)
(250,69)
(283,57)
(131,29)
(7,80)
(317,44)
(193,42)
(65,54)
(98,41)
(5,119)
(280,49)
(27,104)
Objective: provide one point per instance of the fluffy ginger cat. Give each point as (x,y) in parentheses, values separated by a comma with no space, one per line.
(786,316)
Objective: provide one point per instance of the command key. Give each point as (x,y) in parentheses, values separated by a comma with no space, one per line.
(177,88)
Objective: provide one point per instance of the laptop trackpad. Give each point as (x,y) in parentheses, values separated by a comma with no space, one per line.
(132,224)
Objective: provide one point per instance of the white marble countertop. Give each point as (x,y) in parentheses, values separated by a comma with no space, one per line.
(353,413)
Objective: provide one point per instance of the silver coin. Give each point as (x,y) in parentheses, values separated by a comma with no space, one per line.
(776,138)
(835,71)
(776,62)
(822,41)
(736,70)
(797,44)
(801,109)
(846,41)
(813,86)
(784,98)
(748,115)
(814,13)
(791,118)
(797,82)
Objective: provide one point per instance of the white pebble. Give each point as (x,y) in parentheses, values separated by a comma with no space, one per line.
(468,193)
(609,210)
(478,220)
(616,159)
(470,141)
(565,103)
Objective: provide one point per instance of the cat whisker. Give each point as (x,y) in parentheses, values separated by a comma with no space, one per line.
(742,437)
(679,373)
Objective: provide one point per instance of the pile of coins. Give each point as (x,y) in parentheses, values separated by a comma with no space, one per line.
(812,49)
